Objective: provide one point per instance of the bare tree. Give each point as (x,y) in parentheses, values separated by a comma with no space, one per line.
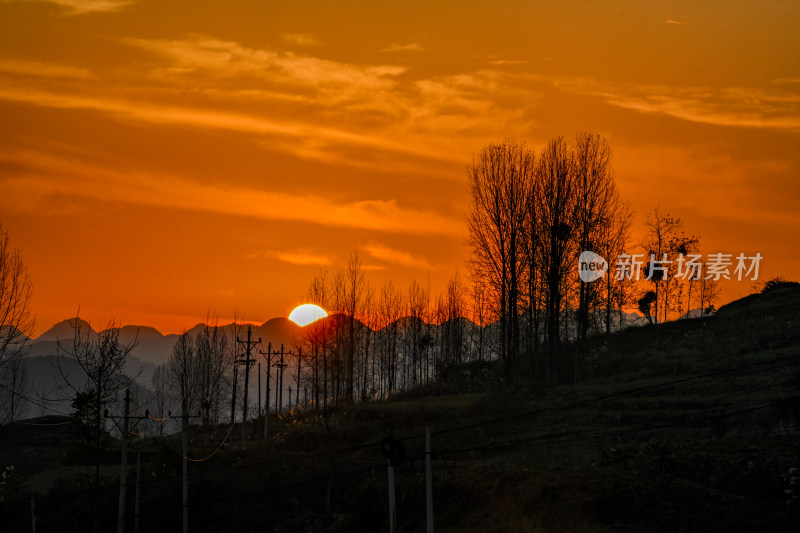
(369,320)
(614,242)
(16,319)
(209,362)
(415,328)
(663,244)
(354,289)
(317,336)
(709,292)
(181,369)
(596,197)
(452,325)
(645,304)
(161,396)
(555,197)
(500,179)
(390,305)
(102,360)
(479,318)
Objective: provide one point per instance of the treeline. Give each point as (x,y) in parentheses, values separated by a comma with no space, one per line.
(530,218)
(522,301)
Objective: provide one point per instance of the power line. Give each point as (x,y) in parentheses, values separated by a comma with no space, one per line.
(574,435)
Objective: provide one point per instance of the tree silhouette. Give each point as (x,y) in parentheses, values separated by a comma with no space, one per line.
(16,318)
(102,359)
(645,304)
(500,179)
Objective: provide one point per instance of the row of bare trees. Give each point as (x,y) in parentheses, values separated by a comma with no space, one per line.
(375,343)
(530,218)
(675,284)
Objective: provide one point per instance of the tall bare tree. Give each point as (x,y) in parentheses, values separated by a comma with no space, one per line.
(16,318)
(102,358)
(161,397)
(181,369)
(613,243)
(555,197)
(662,244)
(354,290)
(390,305)
(596,197)
(500,180)
(210,363)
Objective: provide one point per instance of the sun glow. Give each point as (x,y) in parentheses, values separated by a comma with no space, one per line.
(305,314)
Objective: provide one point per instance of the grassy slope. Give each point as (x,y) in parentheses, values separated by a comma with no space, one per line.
(686,426)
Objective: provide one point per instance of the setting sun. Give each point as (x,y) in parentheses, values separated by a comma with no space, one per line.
(305,314)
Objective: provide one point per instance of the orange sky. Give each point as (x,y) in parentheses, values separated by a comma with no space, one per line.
(159,159)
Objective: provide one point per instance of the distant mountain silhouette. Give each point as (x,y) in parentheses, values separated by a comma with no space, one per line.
(279,331)
(64,330)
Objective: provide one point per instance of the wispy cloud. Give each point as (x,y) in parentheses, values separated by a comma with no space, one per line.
(672,21)
(398,257)
(505,62)
(409,47)
(769,107)
(375,116)
(211,57)
(786,81)
(80,7)
(40,178)
(45,70)
(301,39)
(240,122)
(303,257)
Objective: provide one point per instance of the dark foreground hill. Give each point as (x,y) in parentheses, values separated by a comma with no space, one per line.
(687,426)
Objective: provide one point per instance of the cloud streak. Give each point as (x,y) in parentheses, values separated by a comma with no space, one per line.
(375,116)
(39,179)
(300,257)
(397,257)
(770,107)
(301,39)
(81,7)
(225,120)
(44,70)
(410,47)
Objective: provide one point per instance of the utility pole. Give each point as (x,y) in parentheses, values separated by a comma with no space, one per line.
(233,394)
(33,513)
(299,362)
(268,355)
(281,365)
(247,362)
(185,438)
(138,488)
(429,478)
(392,504)
(185,441)
(259,392)
(394,452)
(123,474)
(185,481)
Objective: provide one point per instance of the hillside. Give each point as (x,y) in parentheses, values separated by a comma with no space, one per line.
(685,426)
